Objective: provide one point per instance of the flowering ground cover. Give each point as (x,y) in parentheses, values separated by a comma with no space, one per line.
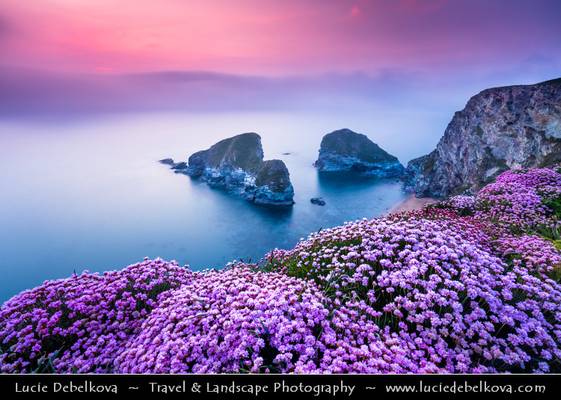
(471,284)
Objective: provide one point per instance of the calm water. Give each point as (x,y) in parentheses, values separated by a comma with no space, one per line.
(89,194)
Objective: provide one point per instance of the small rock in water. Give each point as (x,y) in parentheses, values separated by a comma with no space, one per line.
(179,167)
(318,201)
(273,186)
(167,161)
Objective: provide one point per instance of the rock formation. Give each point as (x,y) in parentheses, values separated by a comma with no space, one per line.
(500,128)
(236,165)
(167,161)
(347,151)
(272,185)
(177,167)
(318,201)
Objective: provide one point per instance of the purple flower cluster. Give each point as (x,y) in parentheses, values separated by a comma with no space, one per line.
(232,320)
(431,297)
(453,287)
(535,253)
(546,181)
(81,323)
(518,198)
(462,203)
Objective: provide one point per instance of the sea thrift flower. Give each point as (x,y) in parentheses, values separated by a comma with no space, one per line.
(537,254)
(432,296)
(81,323)
(230,321)
(519,199)
(462,203)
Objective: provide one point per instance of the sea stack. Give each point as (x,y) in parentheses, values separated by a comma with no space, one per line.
(499,129)
(272,185)
(236,165)
(347,151)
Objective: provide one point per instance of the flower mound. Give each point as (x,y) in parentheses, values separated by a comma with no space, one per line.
(521,199)
(229,321)
(431,293)
(81,323)
(464,204)
(535,253)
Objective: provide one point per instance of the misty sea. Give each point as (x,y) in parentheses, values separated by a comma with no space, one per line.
(89,194)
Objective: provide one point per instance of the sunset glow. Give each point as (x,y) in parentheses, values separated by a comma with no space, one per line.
(267,37)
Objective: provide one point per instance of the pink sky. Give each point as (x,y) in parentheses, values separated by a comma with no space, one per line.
(265,37)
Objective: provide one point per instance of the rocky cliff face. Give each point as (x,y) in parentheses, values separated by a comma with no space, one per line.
(345,150)
(499,129)
(236,165)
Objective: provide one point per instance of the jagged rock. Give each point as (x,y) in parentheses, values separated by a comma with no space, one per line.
(345,150)
(273,185)
(236,165)
(238,152)
(167,161)
(499,129)
(180,167)
(318,201)
(197,163)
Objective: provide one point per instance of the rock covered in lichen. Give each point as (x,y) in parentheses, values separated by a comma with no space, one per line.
(347,151)
(499,129)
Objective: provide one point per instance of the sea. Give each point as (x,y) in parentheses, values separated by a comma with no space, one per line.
(88,193)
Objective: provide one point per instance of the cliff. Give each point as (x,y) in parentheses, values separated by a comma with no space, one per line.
(500,128)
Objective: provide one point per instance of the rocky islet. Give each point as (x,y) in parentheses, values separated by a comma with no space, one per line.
(346,151)
(236,165)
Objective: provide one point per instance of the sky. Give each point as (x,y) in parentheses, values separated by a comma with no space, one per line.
(272,49)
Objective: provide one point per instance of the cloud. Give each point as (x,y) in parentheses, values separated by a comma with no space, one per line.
(265,54)
(36,92)
(268,37)
(5,27)
(421,6)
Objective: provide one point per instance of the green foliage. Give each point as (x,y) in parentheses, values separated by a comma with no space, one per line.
(555,273)
(555,205)
(443,205)
(298,267)
(549,232)
(45,364)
